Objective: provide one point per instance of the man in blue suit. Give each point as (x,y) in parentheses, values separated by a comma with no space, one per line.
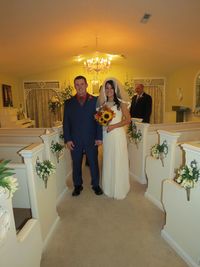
(82,134)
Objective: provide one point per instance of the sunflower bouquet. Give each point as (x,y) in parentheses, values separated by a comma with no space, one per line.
(104,115)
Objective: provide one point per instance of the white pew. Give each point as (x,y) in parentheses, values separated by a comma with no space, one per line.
(40,135)
(17,249)
(63,166)
(38,198)
(138,155)
(22,136)
(182,229)
(156,173)
(43,200)
(11,152)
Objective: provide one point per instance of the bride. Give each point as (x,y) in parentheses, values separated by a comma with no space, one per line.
(115,173)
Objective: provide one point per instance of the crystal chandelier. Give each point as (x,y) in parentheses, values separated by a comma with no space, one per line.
(97,64)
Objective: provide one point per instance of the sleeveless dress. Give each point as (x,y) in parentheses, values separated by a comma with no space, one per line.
(115,170)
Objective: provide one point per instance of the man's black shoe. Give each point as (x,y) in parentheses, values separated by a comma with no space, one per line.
(97,189)
(77,190)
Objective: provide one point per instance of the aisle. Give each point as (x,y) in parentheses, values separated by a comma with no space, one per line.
(95,231)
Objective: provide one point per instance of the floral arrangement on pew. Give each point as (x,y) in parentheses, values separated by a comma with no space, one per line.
(7,184)
(54,104)
(56,148)
(7,181)
(44,169)
(104,115)
(160,151)
(66,93)
(134,134)
(188,177)
(129,88)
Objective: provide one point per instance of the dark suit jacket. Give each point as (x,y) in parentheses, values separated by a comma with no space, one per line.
(142,108)
(79,124)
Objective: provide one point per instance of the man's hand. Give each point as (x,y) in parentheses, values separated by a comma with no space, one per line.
(98,142)
(110,128)
(69,145)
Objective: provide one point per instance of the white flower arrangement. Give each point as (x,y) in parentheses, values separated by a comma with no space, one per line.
(134,134)
(66,93)
(56,148)
(7,182)
(44,169)
(129,88)
(160,151)
(54,104)
(188,176)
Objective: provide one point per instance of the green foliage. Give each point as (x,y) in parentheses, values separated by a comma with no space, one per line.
(5,171)
(7,182)
(56,147)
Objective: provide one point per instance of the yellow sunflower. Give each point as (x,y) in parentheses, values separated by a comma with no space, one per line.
(107,116)
(102,121)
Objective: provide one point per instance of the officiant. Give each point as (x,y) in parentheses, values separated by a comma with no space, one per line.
(141,104)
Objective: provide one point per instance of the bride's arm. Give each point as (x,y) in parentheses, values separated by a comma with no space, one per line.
(126,118)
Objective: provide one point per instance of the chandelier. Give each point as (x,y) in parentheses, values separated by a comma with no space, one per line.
(97,64)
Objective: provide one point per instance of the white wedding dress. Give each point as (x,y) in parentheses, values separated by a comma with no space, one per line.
(115,172)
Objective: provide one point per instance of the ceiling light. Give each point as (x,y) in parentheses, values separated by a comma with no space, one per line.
(98,63)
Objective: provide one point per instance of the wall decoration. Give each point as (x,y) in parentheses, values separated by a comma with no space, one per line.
(7,95)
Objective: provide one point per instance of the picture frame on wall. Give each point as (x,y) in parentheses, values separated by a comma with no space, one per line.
(7,95)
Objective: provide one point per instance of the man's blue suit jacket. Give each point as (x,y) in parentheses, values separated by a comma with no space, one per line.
(79,124)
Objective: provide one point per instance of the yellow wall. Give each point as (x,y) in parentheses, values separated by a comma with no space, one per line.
(185,79)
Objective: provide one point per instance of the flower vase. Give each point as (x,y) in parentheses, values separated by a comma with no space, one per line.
(162,158)
(188,193)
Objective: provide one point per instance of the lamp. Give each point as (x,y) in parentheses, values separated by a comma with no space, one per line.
(98,63)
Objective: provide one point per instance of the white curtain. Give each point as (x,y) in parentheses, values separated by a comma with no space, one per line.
(156,92)
(38,110)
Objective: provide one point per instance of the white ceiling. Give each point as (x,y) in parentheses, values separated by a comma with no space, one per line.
(40,35)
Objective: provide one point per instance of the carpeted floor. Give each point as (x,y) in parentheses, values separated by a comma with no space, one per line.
(95,231)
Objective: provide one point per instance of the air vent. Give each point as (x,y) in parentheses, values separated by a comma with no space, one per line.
(145,18)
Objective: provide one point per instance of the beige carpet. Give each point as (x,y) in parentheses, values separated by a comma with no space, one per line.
(95,231)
